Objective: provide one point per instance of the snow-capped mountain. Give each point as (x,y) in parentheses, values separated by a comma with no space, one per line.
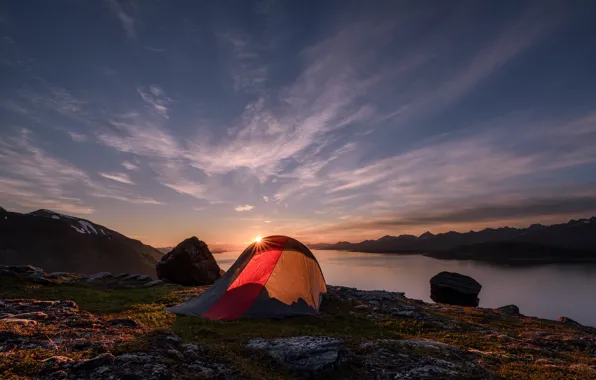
(59,242)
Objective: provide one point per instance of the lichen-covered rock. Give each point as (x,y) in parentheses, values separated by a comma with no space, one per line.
(420,360)
(302,354)
(454,289)
(509,309)
(190,263)
(99,276)
(165,358)
(153,283)
(568,321)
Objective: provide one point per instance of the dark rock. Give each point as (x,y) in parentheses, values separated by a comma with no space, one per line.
(55,363)
(153,283)
(303,354)
(190,263)
(57,375)
(39,279)
(420,359)
(96,362)
(81,344)
(99,276)
(568,321)
(509,309)
(454,289)
(123,322)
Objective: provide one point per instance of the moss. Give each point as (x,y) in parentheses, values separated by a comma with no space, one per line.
(89,298)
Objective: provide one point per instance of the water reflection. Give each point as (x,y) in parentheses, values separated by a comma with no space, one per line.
(548,291)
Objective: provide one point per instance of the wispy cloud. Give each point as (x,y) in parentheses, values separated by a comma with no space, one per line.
(244,208)
(32,177)
(78,137)
(127,22)
(155,97)
(118,177)
(247,69)
(130,166)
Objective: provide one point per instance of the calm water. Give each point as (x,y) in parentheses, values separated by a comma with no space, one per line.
(548,291)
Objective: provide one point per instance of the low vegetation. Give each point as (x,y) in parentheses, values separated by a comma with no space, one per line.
(510,347)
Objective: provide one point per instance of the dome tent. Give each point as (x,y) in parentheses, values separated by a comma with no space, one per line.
(276,277)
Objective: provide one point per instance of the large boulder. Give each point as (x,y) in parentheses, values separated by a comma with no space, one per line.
(454,289)
(190,263)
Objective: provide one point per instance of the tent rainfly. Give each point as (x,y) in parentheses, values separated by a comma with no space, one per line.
(276,277)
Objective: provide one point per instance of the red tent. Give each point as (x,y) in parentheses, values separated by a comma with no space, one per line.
(275,277)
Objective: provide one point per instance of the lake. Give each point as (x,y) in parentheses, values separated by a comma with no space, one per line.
(547,291)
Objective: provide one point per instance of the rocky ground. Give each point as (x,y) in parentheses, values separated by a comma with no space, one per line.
(65,326)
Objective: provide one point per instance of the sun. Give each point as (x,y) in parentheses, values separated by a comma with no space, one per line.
(258,239)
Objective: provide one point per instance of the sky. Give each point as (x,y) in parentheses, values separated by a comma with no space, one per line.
(322,120)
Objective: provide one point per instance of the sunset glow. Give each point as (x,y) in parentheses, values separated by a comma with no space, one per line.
(332,127)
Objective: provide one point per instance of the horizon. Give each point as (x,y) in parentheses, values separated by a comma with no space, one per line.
(325,121)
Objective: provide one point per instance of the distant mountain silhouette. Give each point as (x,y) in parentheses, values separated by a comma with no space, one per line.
(576,236)
(165,250)
(57,242)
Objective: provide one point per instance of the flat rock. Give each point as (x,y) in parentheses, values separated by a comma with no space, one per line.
(509,309)
(91,364)
(99,276)
(420,360)
(20,321)
(153,283)
(568,321)
(303,354)
(55,363)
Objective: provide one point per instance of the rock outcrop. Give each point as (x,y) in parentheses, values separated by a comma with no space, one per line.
(190,264)
(103,280)
(509,309)
(307,355)
(454,289)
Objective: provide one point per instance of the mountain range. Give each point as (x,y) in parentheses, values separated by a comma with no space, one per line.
(572,240)
(58,242)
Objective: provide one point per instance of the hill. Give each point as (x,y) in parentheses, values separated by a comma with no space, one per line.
(574,240)
(59,242)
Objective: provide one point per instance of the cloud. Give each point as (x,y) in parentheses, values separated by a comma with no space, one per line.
(130,166)
(265,198)
(248,72)
(141,136)
(127,22)
(244,208)
(156,98)
(32,177)
(118,177)
(78,137)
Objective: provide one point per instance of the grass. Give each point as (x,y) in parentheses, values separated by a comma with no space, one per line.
(225,341)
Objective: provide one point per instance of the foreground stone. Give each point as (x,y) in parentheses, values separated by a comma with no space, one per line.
(165,358)
(420,359)
(509,309)
(102,280)
(454,289)
(303,354)
(190,263)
